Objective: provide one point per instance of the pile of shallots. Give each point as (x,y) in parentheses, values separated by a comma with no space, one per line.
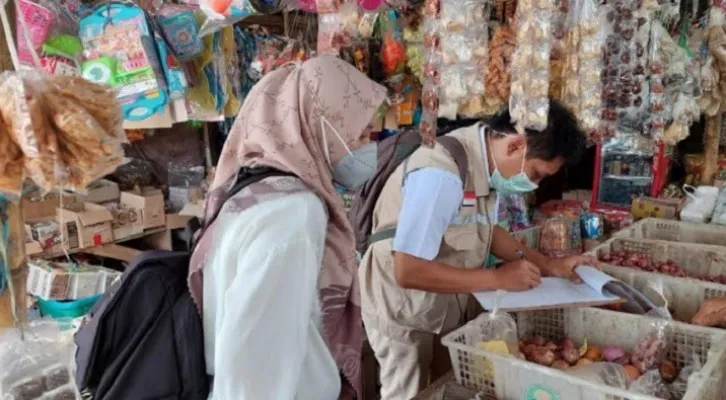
(644,262)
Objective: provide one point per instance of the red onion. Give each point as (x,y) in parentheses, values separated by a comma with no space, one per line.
(612,353)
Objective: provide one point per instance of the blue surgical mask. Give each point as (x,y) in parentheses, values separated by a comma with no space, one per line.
(356,167)
(517,184)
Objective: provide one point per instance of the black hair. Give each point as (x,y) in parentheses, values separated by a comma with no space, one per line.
(562,138)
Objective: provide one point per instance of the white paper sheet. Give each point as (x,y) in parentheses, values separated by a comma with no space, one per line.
(555,292)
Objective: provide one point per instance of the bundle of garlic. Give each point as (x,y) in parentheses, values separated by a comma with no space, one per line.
(62,132)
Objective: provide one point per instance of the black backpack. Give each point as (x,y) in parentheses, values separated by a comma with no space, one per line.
(144,337)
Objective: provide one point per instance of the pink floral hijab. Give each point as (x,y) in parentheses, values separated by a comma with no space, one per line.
(279,125)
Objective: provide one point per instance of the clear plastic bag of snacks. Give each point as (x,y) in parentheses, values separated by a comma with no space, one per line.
(657,98)
(496,330)
(529,98)
(35,363)
(68,130)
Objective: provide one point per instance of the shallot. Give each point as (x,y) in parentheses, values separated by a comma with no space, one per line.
(612,353)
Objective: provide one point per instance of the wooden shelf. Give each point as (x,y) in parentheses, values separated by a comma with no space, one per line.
(61,253)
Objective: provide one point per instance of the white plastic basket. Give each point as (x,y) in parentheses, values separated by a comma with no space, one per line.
(685,296)
(696,260)
(675,231)
(508,378)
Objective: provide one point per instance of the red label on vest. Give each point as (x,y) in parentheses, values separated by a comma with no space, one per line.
(469,199)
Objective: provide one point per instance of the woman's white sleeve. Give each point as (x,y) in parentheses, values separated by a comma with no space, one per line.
(265,333)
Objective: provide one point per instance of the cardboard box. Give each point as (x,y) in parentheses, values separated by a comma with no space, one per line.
(194,209)
(32,246)
(650,207)
(151,204)
(102,191)
(90,226)
(126,220)
(38,208)
(42,235)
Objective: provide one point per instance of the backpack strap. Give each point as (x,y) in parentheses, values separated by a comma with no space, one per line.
(458,153)
(245,177)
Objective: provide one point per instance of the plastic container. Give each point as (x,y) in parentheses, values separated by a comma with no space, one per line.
(696,260)
(675,231)
(505,377)
(528,237)
(685,296)
(67,309)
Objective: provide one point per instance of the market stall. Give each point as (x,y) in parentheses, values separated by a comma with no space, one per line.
(116,112)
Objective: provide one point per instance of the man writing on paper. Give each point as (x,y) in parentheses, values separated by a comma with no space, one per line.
(416,279)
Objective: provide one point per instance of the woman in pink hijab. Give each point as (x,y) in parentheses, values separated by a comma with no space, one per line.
(275,274)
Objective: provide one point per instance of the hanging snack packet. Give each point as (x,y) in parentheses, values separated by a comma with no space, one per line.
(529,99)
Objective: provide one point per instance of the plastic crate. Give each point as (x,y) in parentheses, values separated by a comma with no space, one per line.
(685,296)
(675,231)
(509,378)
(694,259)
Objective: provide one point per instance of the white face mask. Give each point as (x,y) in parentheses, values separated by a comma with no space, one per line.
(356,167)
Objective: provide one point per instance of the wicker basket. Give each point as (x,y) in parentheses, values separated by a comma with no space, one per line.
(509,378)
(675,231)
(696,260)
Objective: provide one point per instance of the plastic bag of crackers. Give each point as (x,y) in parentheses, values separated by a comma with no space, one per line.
(62,132)
(529,100)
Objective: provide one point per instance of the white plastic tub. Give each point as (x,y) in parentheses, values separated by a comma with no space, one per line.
(508,378)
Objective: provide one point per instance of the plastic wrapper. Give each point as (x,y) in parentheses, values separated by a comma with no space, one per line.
(393,53)
(206,99)
(463,50)
(610,374)
(338,29)
(43,31)
(38,365)
(497,330)
(582,89)
(224,13)
(651,384)
(179,26)
(68,129)
(652,349)
(657,98)
(658,296)
(501,49)
(529,97)
(680,385)
(430,100)
(560,237)
(624,87)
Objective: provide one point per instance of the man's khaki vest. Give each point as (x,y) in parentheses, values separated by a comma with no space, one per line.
(395,311)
